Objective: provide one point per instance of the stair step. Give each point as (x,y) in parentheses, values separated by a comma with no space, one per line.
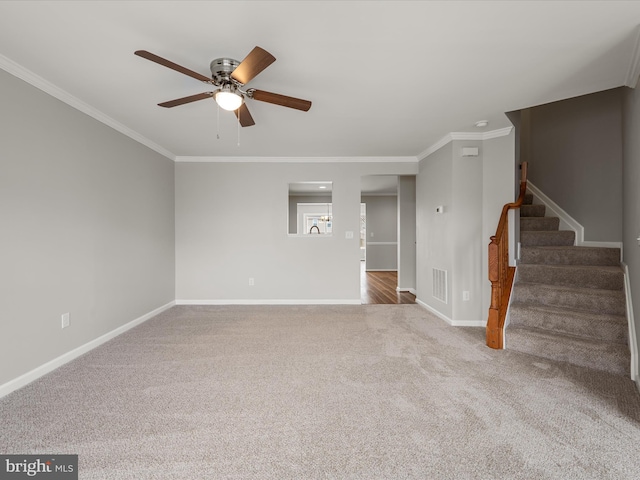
(557,238)
(570,255)
(568,303)
(558,320)
(532,210)
(528,198)
(592,300)
(599,355)
(599,277)
(539,223)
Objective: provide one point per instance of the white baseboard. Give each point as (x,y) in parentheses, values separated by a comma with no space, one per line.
(48,367)
(469,323)
(404,289)
(591,243)
(567,222)
(242,301)
(453,323)
(434,311)
(633,339)
(381,270)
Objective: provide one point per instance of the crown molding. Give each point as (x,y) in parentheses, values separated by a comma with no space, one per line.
(435,147)
(449,137)
(31,78)
(212,159)
(634,65)
(501,132)
(40,83)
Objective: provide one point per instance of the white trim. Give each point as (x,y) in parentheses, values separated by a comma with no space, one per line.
(590,243)
(453,323)
(502,132)
(381,270)
(634,65)
(31,78)
(434,311)
(567,222)
(405,289)
(633,339)
(381,243)
(469,323)
(507,315)
(48,367)
(248,301)
(435,147)
(205,159)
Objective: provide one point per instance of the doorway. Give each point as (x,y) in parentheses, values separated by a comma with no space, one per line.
(380,233)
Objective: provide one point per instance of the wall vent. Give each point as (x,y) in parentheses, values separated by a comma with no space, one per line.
(440,284)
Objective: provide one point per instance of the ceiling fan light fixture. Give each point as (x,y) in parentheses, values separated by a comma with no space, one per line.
(228,99)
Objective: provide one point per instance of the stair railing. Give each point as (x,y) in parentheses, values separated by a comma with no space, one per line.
(500,273)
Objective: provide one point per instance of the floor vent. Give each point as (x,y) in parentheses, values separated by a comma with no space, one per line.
(440,284)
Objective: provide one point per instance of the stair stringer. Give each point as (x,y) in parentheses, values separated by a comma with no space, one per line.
(507,317)
(633,339)
(567,222)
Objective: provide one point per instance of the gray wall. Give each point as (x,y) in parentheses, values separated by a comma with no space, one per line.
(576,160)
(382,232)
(472,191)
(467,242)
(434,232)
(498,167)
(631,190)
(87,228)
(231,225)
(407,232)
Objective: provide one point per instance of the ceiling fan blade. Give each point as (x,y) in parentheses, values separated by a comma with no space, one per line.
(283,100)
(257,60)
(172,66)
(183,100)
(244,117)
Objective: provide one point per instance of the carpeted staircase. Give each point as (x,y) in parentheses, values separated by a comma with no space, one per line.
(568,302)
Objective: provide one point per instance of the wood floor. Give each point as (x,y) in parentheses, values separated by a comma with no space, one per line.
(380,287)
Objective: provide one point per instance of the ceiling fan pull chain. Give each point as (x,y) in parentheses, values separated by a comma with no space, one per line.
(238,128)
(218,123)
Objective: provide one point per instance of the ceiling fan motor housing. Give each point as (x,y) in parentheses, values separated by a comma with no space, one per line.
(221,70)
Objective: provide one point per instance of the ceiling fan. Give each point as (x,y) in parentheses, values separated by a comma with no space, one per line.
(230,76)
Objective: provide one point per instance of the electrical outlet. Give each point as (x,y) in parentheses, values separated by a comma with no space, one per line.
(465,296)
(251,282)
(65,320)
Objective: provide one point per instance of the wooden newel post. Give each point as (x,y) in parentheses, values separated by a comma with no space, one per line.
(494,330)
(500,273)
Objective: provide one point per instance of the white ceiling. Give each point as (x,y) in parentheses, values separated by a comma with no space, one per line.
(386,78)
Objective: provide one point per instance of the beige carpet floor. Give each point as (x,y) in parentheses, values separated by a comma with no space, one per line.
(323,392)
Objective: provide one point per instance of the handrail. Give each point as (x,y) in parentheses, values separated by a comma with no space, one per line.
(500,273)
